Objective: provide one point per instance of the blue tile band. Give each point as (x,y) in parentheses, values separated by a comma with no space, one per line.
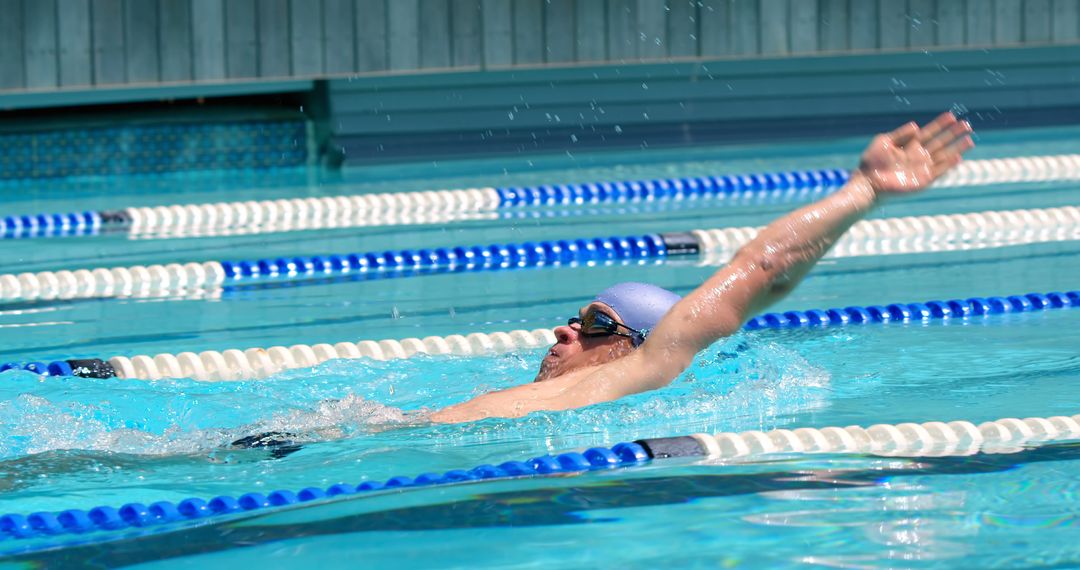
(153,148)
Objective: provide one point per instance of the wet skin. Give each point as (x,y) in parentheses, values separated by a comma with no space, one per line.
(574,351)
(580,371)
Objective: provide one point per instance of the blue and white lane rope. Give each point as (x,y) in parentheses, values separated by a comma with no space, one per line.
(907,439)
(868,237)
(384,207)
(234,364)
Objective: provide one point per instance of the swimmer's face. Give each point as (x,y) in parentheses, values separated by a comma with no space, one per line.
(574,351)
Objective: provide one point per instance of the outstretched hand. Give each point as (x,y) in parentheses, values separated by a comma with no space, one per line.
(912,157)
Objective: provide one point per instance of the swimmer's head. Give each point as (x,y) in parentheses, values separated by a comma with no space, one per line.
(611,326)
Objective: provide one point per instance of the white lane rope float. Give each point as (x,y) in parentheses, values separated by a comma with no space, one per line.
(869,237)
(415,207)
(928,439)
(253,363)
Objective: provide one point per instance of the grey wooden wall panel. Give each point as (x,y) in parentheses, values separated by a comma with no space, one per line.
(528,31)
(306,37)
(775,21)
(371,35)
(208,39)
(435,50)
(338,45)
(922,25)
(73,31)
(834,28)
(174,46)
(50,43)
(863,24)
(1007,20)
(559,31)
(242,39)
(652,28)
(274,52)
(39,17)
(746,27)
(804,26)
(682,28)
(951,23)
(893,24)
(1036,21)
(979,23)
(108,37)
(141,45)
(12,60)
(403,26)
(1066,19)
(716,36)
(497,21)
(622,42)
(590,30)
(466,37)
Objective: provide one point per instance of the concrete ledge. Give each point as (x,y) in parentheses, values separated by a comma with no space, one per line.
(10,101)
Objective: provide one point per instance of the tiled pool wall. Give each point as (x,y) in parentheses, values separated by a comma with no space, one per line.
(154,148)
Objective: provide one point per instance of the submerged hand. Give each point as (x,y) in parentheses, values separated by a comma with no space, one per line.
(910,158)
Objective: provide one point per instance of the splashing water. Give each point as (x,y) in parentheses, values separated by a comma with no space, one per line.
(741,383)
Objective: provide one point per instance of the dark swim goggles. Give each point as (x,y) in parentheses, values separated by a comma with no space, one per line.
(598,324)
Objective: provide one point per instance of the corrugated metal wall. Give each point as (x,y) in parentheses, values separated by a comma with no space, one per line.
(50,44)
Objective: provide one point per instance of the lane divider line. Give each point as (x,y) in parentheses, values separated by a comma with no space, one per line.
(867,237)
(384,208)
(253,363)
(932,439)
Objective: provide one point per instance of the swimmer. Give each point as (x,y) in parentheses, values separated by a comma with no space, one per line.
(635,337)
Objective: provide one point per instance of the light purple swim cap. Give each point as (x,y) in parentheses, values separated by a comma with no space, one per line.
(640,305)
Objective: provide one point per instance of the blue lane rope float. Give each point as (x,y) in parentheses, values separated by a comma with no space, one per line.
(341,209)
(907,439)
(50,225)
(669,188)
(868,237)
(140,220)
(260,362)
(930,310)
(475,258)
(138,515)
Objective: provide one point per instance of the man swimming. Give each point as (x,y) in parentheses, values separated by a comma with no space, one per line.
(635,337)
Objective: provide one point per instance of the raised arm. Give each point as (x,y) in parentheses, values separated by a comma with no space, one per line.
(762,272)
(775,261)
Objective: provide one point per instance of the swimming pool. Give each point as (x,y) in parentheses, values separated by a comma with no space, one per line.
(80,443)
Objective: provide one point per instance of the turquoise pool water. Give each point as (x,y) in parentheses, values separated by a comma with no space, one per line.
(78,443)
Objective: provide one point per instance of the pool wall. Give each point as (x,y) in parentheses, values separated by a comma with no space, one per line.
(379,81)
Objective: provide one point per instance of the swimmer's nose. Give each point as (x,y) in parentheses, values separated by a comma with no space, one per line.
(565,334)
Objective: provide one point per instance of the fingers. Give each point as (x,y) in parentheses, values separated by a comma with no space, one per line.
(904,134)
(948,136)
(951,155)
(939,125)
